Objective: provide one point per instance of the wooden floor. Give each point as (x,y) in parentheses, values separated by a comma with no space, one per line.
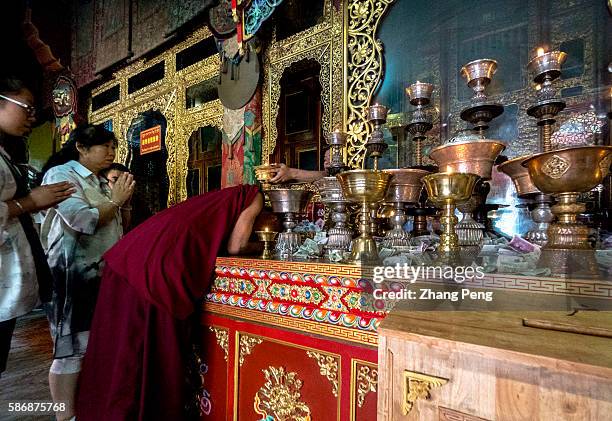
(26,375)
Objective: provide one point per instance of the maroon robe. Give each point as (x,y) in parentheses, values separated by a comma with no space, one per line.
(153,281)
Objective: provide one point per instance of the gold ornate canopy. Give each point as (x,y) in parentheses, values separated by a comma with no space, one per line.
(168,97)
(350,56)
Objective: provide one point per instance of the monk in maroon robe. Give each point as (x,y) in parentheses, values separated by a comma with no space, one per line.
(154,280)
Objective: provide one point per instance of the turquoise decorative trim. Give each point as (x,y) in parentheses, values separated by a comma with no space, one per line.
(256,14)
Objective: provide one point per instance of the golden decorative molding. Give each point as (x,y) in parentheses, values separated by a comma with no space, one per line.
(328,367)
(322,43)
(367,381)
(364,71)
(367,372)
(247,343)
(299,325)
(417,386)
(222,336)
(168,97)
(279,397)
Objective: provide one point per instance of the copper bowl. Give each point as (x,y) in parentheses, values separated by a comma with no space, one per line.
(406,185)
(570,170)
(475,157)
(519,175)
(364,185)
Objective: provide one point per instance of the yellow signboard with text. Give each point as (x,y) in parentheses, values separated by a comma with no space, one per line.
(150,140)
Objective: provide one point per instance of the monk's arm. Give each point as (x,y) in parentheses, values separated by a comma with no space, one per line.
(239,238)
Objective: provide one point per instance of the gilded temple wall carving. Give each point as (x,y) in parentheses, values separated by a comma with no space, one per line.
(346,43)
(168,97)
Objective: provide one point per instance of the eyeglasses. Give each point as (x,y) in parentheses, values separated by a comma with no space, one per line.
(29,109)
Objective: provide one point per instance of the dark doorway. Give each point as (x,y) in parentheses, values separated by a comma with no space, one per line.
(149,170)
(299,118)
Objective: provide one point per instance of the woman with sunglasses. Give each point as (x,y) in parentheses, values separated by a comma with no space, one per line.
(25,277)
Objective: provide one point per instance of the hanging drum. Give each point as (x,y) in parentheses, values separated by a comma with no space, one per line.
(238,79)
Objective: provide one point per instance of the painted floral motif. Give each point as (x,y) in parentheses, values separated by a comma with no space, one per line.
(302,294)
(234,285)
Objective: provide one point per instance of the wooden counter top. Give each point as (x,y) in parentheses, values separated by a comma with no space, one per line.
(503,335)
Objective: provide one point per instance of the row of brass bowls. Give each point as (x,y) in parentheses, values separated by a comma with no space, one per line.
(473,156)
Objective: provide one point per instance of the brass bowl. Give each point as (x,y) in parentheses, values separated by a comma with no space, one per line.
(447,187)
(519,175)
(330,190)
(264,173)
(546,63)
(267,236)
(364,185)
(570,170)
(479,71)
(475,157)
(289,200)
(405,186)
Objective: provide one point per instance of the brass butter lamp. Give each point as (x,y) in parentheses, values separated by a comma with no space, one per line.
(267,236)
(565,173)
(288,202)
(339,236)
(364,187)
(368,188)
(419,94)
(406,186)
(473,157)
(445,190)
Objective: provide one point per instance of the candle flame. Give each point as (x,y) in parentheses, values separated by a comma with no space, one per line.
(540,52)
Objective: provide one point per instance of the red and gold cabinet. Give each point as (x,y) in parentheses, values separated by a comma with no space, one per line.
(289,341)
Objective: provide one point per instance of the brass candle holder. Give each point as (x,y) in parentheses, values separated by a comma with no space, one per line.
(267,236)
(288,202)
(565,173)
(339,236)
(336,141)
(405,187)
(364,187)
(478,74)
(376,146)
(445,190)
(475,157)
(420,96)
(546,67)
